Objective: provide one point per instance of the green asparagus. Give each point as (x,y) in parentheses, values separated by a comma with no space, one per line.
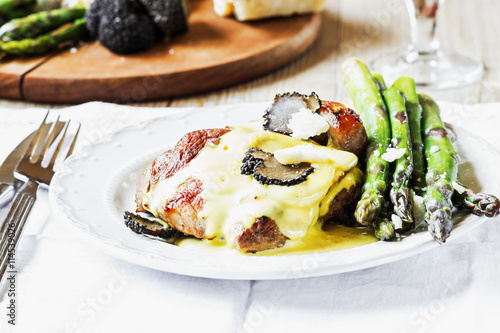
(47,42)
(8,6)
(400,132)
(384,229)
(39,23)
(407,86)
(21,11)
(442,166)
(401,140)
(479,203)
(369,104)
(379,80)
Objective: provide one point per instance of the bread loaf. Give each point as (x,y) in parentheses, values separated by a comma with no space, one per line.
(244,10)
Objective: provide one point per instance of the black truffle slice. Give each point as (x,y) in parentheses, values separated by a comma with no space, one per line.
(284,106)
(169,16)
(266,169)
(149,227)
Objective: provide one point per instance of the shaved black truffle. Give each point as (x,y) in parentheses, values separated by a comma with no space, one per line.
(278,115)
(169,16)
(123,26)
(266,169)
(149,227)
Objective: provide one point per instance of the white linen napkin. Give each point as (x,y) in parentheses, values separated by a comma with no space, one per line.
(65,285)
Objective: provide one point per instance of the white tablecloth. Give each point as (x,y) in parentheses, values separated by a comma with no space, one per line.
(65,285)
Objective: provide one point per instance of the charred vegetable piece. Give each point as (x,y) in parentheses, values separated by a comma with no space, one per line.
(145,226)
(285,105)
(170,17)
(266,169)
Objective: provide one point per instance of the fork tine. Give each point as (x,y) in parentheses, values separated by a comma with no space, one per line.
(36,138)
(59,145)
(53,134)
(70,151)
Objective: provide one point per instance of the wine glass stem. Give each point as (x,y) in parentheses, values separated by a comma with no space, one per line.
(423,25)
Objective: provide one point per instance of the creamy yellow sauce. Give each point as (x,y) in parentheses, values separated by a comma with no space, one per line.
(334,238)
(231,197)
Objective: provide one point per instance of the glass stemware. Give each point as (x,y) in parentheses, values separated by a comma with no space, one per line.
(424,59)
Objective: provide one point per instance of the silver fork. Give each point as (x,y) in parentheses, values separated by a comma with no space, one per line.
(30,170)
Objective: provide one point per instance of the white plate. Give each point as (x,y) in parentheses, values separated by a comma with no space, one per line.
(93,189)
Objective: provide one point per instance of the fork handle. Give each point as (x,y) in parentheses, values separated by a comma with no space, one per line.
(6,193)
(14,224)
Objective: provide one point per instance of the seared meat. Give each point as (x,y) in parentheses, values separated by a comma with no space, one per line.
(173,160)
(346,128)
(263,235)
(341,208)
(182,208)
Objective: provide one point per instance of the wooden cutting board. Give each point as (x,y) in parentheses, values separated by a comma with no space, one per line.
(216,52)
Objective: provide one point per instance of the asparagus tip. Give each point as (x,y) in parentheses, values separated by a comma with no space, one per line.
(384,229)
(368,210)
(402,204)
(440,225)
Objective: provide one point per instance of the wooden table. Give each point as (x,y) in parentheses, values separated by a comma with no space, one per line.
(365,28)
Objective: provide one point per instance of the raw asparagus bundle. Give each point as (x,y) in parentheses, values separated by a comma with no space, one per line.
(45,43)
(370,105)
(39,23)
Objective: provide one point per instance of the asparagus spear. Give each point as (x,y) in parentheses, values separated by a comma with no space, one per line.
(407,86)
(479,203)
(401,140)
(383,228)
(442,165)
(39,23)
(369,104)
(47,42)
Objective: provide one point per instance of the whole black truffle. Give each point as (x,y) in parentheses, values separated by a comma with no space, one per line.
(170,16)
(123,26)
